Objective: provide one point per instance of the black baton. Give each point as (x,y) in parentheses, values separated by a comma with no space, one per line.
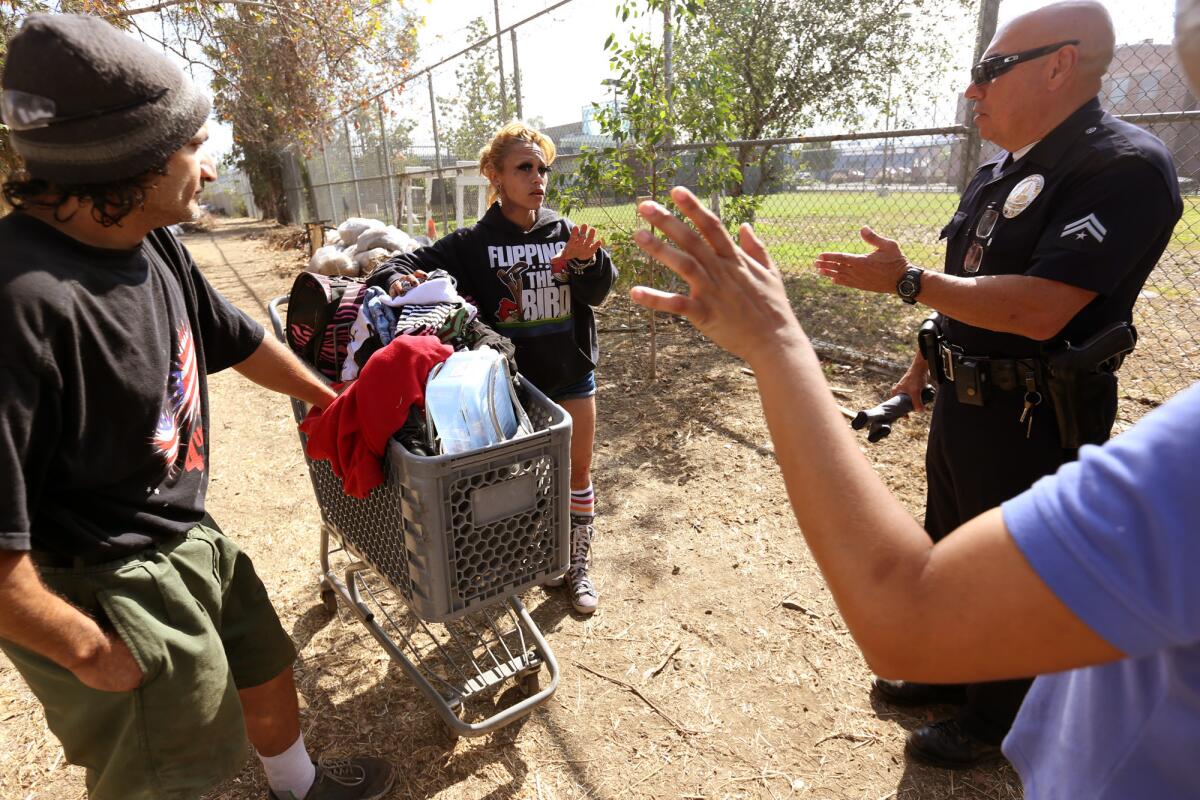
(881,417)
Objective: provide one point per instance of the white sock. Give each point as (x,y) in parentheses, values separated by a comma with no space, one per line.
(291,773)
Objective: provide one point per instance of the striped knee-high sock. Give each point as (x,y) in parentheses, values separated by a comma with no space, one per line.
(583,506)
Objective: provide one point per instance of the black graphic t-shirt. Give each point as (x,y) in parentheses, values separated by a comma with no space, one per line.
(103,398)
(513,277)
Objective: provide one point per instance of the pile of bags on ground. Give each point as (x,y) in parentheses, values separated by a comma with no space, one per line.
(360,245)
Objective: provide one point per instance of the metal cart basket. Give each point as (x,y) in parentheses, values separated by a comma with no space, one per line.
(432,561)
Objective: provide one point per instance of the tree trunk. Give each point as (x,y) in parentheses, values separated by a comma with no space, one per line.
(745,156)
(765,173)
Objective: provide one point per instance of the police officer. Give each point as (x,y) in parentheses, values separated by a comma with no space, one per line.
(1051,243)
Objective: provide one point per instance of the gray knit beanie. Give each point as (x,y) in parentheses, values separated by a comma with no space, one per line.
(86,103)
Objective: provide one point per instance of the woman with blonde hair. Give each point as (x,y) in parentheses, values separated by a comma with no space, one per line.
(534,277)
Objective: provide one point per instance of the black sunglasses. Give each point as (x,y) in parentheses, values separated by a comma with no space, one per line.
(991,68)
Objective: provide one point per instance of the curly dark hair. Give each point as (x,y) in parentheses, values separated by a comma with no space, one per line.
(111,201)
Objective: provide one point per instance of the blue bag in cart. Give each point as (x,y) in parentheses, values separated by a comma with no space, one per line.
(470,402)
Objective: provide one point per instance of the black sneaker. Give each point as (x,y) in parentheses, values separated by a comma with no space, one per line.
(947,744)
(908,693)
(362,778)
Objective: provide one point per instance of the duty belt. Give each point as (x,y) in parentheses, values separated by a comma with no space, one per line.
(1005,374)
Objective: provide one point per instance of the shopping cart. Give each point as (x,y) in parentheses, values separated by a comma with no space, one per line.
(433,560)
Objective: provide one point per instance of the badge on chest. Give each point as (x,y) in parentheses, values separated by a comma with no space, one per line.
(1023,195)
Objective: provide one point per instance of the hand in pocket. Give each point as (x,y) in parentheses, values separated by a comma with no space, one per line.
(112,668)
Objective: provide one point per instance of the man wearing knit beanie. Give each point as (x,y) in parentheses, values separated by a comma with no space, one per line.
(141,628)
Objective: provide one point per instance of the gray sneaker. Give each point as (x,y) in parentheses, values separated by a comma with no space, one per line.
(362,778)
(584,598)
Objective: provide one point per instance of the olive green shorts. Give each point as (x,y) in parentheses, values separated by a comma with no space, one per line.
(197,619)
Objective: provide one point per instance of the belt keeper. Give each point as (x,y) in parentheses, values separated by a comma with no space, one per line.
(947,362)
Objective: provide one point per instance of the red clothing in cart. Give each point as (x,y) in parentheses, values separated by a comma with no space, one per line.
(352,433)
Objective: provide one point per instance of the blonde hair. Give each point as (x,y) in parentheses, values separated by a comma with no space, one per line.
(492,155)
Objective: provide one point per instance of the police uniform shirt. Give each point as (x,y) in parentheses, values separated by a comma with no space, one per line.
(1092,205)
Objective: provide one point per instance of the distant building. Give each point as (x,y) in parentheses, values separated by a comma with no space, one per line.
(1145,78)
(559,132)
(570,138)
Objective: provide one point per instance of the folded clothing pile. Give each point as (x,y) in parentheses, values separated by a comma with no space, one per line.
(430,305)
(385,357)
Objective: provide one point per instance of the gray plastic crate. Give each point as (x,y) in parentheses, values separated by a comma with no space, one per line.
(454,533)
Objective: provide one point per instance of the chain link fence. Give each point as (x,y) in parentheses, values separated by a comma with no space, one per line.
(231,196)
(815,193)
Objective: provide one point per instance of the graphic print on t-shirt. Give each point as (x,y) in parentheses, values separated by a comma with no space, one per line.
(179,418)
(537,293)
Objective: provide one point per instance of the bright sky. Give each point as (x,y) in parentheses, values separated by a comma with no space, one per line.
(563,63)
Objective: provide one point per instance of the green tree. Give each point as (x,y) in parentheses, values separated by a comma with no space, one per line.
(765,69)
(282,78)
(475,111)
(640,161)
(281,69)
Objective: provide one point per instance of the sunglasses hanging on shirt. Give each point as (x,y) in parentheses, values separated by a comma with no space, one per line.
(983,232)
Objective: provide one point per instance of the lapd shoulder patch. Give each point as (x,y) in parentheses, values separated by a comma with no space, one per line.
(1024,193)
(1081,229)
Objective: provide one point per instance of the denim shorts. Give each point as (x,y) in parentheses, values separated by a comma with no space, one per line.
(577,391)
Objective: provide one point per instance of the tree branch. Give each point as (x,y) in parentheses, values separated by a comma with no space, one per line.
(190,61)
(126,13)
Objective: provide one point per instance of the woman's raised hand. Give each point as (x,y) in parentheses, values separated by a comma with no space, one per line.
(583,243)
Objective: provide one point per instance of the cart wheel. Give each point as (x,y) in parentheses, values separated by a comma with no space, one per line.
(530,683)
(329,600)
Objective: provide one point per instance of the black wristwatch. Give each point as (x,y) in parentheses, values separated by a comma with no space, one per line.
(909,285)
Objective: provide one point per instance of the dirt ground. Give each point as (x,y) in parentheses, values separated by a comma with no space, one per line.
(747,682)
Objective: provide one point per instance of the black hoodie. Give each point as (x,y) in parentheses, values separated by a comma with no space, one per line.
(507,273)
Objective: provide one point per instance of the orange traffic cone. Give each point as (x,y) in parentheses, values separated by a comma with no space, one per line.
(431,228)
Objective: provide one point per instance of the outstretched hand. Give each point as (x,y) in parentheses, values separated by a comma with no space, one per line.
(582,244)
(878,271)
(736,295)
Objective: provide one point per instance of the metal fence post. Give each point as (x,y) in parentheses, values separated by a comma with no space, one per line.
(328,179)
(988,10)
(500,64)
(353,170)
(458,201)
(516,76)
(406,211)
(386,169)
(437,159)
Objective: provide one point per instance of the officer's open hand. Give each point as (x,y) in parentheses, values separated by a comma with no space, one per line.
(110,667)
(735,294)
(878,271)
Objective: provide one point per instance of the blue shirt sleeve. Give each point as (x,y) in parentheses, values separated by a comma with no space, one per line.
(1116,535)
